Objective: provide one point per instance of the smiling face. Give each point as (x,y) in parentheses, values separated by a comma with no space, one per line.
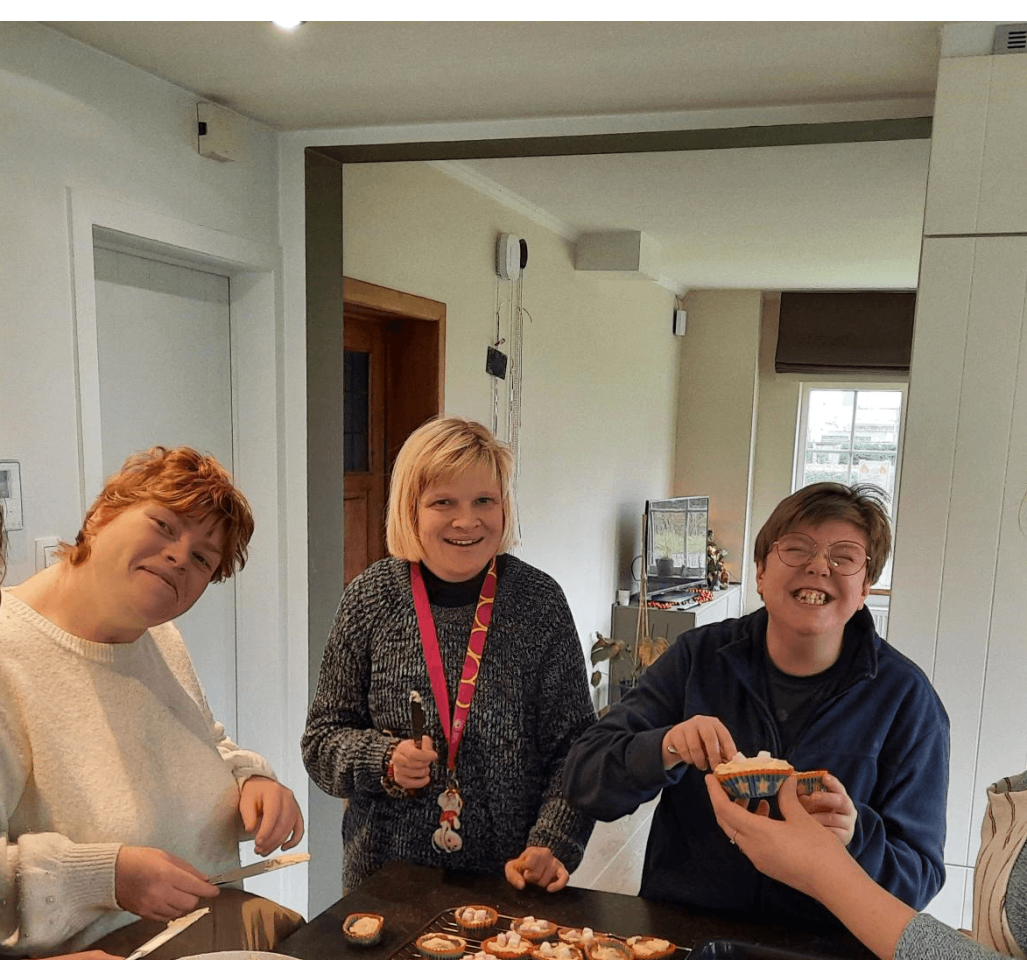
(811,602)
(153,563)
(460,523)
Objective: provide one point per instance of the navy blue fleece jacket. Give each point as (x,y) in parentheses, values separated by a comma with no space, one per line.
(884,734)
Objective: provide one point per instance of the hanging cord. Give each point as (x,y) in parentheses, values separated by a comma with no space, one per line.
(496,340)
(642,629)
(517,374)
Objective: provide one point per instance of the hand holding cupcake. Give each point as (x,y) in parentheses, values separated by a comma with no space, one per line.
(701,741)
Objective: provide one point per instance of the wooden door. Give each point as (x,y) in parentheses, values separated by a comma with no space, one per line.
(365,460)
(395,353)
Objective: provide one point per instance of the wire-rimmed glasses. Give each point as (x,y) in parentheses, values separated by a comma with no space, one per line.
(845,557)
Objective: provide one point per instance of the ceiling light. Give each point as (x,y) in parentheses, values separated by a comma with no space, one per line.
(288,24)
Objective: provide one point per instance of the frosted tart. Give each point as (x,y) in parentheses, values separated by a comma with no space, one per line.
(533,928)
(547,950)
(607,948)
(650,948)
(444,946)
(576,936)
(476,916)
(747,777)
(363,929)
(508,945)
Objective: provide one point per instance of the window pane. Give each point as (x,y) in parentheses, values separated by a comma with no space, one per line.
(822,465)
(878,469)
(356,412)
(878,414)
(852,436)
(829,422)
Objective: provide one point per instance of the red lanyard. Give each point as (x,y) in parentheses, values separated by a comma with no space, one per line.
(472,661)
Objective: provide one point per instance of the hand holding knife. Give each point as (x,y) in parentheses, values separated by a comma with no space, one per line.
(416,727)
(416,719)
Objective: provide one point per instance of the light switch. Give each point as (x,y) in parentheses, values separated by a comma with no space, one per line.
(46,552)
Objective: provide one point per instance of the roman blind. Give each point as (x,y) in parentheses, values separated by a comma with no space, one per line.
(857,331)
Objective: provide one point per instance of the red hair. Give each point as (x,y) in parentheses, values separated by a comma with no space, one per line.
(182,480)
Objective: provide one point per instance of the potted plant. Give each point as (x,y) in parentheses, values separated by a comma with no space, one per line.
(643,653)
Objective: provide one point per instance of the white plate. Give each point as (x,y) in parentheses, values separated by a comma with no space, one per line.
(238,955)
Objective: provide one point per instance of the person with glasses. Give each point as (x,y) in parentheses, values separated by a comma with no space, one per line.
(805,677)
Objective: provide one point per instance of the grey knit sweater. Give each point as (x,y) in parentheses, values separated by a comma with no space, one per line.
(531,703)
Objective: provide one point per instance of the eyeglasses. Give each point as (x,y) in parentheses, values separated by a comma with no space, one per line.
(846,557)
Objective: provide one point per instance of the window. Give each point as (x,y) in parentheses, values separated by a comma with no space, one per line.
(852,434)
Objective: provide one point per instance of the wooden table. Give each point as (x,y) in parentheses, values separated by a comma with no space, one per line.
(410,896)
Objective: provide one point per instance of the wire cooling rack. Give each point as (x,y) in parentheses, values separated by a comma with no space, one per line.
(445,922)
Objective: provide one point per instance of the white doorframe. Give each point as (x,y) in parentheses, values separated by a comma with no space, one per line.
(263,675)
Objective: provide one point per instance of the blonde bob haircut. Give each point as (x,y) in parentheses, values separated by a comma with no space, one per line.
(864,505)
(437,451)
(183,481)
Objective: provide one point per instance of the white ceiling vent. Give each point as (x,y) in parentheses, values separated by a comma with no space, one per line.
(1010,38)
(628,254)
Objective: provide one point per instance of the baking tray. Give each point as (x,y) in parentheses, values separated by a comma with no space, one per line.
(710,950)
(444,923)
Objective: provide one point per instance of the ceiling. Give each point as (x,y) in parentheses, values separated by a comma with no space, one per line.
(825,216)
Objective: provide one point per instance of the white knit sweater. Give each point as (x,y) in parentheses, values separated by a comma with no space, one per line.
(102,744)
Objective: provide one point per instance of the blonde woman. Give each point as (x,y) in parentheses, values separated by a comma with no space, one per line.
(451,610)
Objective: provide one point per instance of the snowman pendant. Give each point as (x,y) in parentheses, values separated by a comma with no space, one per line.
(446,839)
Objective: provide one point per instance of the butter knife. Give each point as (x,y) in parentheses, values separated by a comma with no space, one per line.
(416,718)
(262,866)
(173,929)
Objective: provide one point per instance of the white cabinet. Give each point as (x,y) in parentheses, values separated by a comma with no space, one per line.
(960,572)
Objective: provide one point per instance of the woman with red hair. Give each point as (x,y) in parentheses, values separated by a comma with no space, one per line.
(119,793)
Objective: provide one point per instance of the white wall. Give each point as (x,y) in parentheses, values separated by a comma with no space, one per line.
(77,120)
(81,130)
(600,366)
(716,411)
(778,408)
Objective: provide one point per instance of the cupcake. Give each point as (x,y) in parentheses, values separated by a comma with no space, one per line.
(650,948)
(444,946)
(508,945)
(363,929)
(548,950)
(475,916)
(607,948)
(576,936)
(809,781)
(760,776)
(533,929)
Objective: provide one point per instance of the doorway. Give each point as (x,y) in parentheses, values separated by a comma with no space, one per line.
(165,373)
(394,347)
